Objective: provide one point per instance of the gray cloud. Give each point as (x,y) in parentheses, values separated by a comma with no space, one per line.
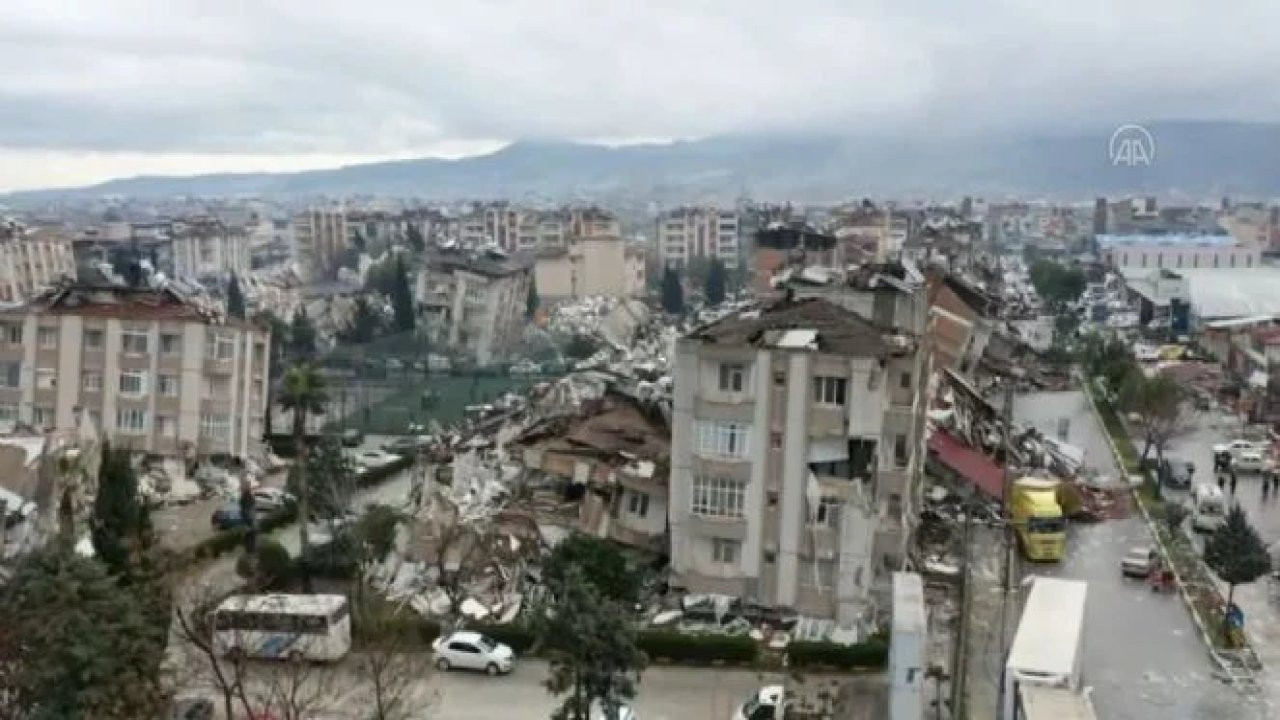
(380,77)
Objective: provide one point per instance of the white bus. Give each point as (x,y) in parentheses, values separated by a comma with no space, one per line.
(1048,648)
(295,627)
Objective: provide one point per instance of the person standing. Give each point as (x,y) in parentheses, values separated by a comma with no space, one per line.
(1233,482)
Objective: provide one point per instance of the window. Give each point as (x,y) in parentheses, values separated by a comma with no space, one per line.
(10,374)
(167,426)
(722,439)
(167,385)
(904,381)
(1159,260)
(170,343)
(775,440)
(47,337)
(217,387)
(134,342)
(46,378)
(779,379)
(725,550)
(900,450)
(1195,260)
(8,412)
(131,420)
(1231,260)
(1178,261)
(42,417)
(219,346)
(638,504)
(827,514)
(215,426)
(91,381)
(1248,261)
(93,339)
(13,333)
(133,382)
(720,497)
(829,390)
(732,377)
(1216,259)
(818,574)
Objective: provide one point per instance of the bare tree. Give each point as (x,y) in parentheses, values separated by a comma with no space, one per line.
(389,674)
(192,648)
(1157,410)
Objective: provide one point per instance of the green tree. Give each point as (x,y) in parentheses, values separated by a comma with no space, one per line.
(672,291)
(331,480)
(715,282)
(1157,410)
(1237,553)
(303,394)
(603,565)
(365,323)
(75,643)
(1057,284)
(414,236)
(402,298)
(279,348)
(120,524)
(592,643)
(302,336)
(235,298)
(531,300)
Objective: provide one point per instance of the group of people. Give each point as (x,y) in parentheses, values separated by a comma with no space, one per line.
(1227,476)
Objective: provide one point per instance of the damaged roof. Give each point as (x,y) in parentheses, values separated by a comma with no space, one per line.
(129,303)
(488,264)
(621,427)
(836,331)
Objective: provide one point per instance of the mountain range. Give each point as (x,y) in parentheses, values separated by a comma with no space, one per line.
(1198,160)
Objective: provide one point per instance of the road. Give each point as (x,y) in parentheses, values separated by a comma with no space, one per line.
(1142,655)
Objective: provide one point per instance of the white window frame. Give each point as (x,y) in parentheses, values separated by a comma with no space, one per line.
(219,345)
(46,378)
(726,551)
(215,426)
(176,349)
(8,412)
(831,391)
(638,503)
(169,388)
(13,333)
(733,377)
(4,374)
(43,416)
(47,337)
(88,386)
(124,418)
(172,426)
(718,497)
(721,439)
(139,375)
(138,339)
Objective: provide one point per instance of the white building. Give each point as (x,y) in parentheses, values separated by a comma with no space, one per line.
(687,233)
(31,262)
(474,303)
(590,266)
(320,236)
(1133,253)
(208,248)
(153,370)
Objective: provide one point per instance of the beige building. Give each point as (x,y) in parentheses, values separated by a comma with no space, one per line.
(474,303)
(320,236)
(31,262)
(152,369)
(600,265)
(789,456)
(206,247)
(687,233)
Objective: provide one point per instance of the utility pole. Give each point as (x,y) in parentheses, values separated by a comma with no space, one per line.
(1007,550)
(960,650)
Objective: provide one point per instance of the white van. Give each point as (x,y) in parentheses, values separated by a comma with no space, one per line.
(1210,508)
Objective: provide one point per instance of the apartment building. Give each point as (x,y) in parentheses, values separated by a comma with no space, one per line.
(686,233)
(32,261)
(474,302)
(320,236)
(784,450)
(208,248)
(602,265)
(153,370)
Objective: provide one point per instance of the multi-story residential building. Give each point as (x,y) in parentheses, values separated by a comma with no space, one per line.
(152,369)
(205,247)
(474,302)
(779,244)
(686,233)
(590,266)
(780,444)
(377,227)
(320,236)
(32,261)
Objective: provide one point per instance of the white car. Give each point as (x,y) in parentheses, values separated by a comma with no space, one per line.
(1237,446)
(473,651)
(1250,461)
(770,703)
(271,499)
(1138,562)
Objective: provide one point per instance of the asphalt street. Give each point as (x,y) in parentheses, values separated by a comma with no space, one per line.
(1143,657)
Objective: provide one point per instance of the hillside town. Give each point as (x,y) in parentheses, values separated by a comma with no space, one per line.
(862,460)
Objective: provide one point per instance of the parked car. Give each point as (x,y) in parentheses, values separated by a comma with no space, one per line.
(770,703)
(1138,562)
(1177,473)
(271,499)
(472,651)
(1250,461)
(228,517)
(1238,446)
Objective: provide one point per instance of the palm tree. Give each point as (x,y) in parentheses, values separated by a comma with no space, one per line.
(302,393)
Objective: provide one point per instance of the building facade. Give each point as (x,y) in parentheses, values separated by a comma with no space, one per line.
(687,233)
(474,303)
(600,265)
(1127,253)
(32,262)
(779,446)
(209,248)
(154,371)
(320,236)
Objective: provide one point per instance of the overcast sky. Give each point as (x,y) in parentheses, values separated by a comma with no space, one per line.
(104,88)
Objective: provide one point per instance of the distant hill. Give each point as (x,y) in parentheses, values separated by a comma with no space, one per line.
(1195,159)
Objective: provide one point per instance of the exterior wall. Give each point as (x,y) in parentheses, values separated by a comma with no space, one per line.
(478,315)
(28,266)
(213,255)
(1174,257)
(591,266)
(688,233)
(320,236)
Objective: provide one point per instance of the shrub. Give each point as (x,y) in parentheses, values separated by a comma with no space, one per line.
(874,653)
(698,648)
(275,565)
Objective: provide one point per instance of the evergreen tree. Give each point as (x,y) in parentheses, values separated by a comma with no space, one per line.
(120,523)
(1236,552)
(414,236)
(402,298)
(302,336)
(303,393)
(672,292)
(532,301)
(715,282)
(364,325)
(235,298)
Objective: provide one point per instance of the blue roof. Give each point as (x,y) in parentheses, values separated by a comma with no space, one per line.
(1173,239)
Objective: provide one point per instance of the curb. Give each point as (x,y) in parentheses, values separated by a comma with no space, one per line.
(1155,535)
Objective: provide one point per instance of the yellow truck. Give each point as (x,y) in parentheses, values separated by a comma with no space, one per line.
(1038,519)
